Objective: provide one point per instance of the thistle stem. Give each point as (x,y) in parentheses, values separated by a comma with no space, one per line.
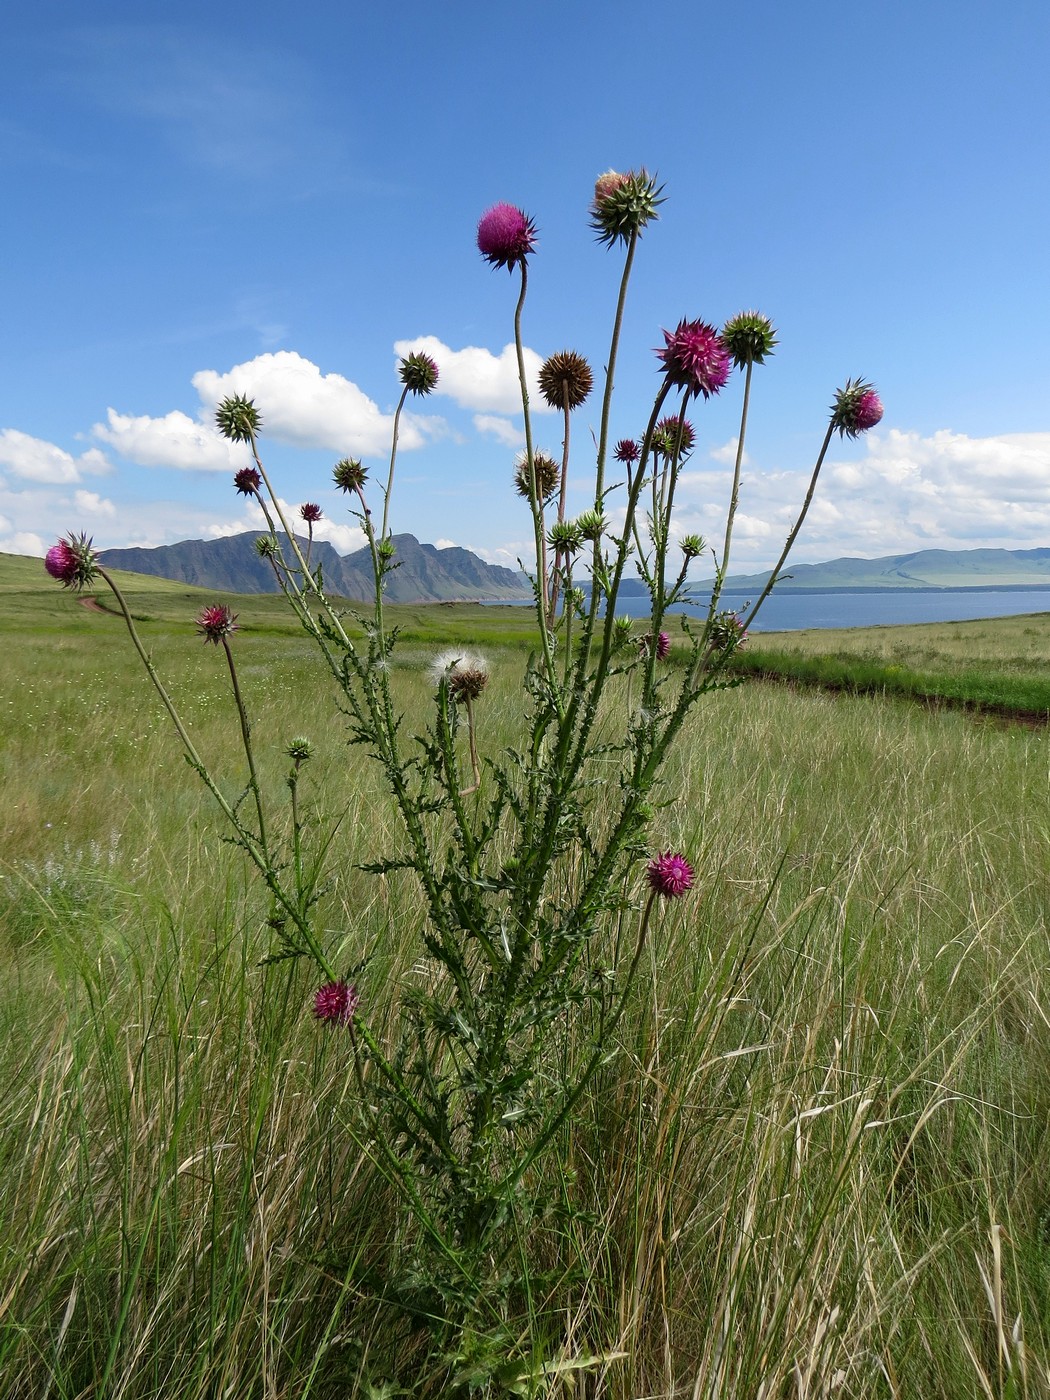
(393,459)
(735,496)
(246,736)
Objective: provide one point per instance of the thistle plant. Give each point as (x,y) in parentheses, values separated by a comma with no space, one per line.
(536,875)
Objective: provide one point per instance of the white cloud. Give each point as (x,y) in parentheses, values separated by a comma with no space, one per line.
(477,379)
(502,429)
(22,542)
(727,453)
(90,503)
(33,459)
(300,405)
(172,441)
(344,539)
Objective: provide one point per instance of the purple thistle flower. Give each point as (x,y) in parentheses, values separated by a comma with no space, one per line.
(336,1003)
(216,622)
(696,357)
(857,408)
(72,561)
(670,875)
(248,481)
(626,451)
(506,236)
(666,434)
(311,513)
(663,645)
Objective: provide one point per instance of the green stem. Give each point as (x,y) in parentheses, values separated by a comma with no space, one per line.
(735,496)
(393,459)
(246,736)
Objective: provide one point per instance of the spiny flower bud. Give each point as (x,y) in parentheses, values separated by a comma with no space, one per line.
(727,631)
(565,536)
(72,561)
(591,524)
(265,546)
(216,622)
(238,419)
(565,379)
(673,435)
(695,357)
(419,373)
(624,204)
(749,337)
(692,545)
(349,474)
(621,632)
(857,408)
(311,512)
(247,481)
(506,236)
(300,749)
(547,476)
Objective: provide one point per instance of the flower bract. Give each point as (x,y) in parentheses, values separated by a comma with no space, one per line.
(749,337)
(626,451)
(547,476)
(857,408)
(238,419)
(623,204)
(311,512)
(247,481)
(419,373)
(349,474)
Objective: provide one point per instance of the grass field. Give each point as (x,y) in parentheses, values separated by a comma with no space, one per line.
(817,1165)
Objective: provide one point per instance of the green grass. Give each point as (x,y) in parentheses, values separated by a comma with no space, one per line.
(817,1164)
(998,664)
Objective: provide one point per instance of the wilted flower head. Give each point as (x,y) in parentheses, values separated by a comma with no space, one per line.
(349,474)
(465,673)
(663,645)
(506,236)
(626,451)
(419,373)
(216,622)
(547,475)
(248,481)
(565,379)
(695,357)
(727,631)
(749,337)
(670,875)
(672,434)
(857,408)
(311,512)
(336,1003)
(623,204)
(238,419)
(72,561)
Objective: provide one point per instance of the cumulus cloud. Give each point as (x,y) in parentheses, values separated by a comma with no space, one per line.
(33,459)
(906,492)
(22,542)
(302,406)
(477,379)
(727,453)
(175,440)
(502,429)
(91,503)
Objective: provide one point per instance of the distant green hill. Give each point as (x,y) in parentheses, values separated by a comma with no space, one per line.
(924,569)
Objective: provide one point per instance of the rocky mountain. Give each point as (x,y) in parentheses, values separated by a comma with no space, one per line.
(923,569)
(424,573)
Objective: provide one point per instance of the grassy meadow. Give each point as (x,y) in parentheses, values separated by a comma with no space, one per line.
(818,1163)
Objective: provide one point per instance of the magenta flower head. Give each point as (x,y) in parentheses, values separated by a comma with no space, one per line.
(72,561)
(626,451)
(696,357)
(419,373)
(670,875)
(506,236)
(663,645)
(666,437)
(216,622)
(311,513)
(248,481)
(336,1003)
(857,408)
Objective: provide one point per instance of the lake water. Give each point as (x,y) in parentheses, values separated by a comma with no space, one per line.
(791,612)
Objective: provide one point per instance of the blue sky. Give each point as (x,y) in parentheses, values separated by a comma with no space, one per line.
(275,203)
